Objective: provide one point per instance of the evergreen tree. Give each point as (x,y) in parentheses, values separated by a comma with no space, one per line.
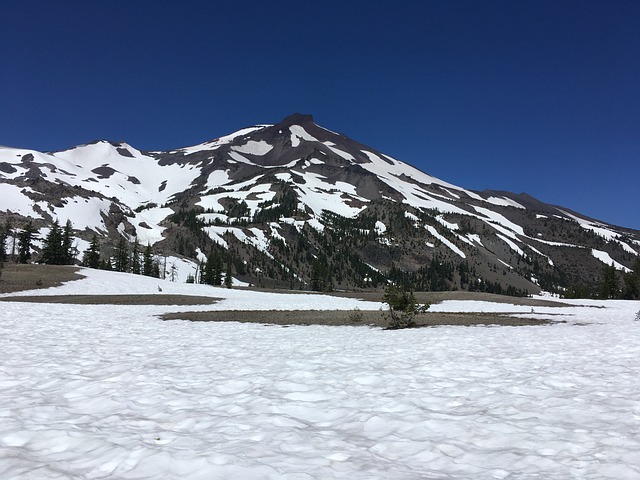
(52,249)
(25,243)
(105,264)
(136,267)
(632,282)
(155,272)
(91,257)
(68,251)
(402,307)
(58,246)
(321,278)
(610,287)
(147,262)
(122,256)
(228,279)
(213,269)
(3,245)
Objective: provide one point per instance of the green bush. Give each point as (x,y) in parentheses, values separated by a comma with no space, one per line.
(402,307)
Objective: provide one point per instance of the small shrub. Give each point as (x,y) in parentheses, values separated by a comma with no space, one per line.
(638,316)
(402,307)
(355,316)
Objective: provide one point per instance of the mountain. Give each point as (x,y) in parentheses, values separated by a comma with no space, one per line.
(296,205)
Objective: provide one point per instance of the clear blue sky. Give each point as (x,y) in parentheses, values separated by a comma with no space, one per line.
(536,96)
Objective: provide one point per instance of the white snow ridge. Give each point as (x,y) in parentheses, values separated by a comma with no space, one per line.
(88,392)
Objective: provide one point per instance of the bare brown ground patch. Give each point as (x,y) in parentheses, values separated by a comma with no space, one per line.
(439,297)
(153,299)
(373,318)
(16,277)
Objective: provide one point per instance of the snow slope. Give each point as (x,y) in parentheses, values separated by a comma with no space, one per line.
(89,392)
(325,170)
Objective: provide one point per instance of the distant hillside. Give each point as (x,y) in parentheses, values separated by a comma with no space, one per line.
(295,205)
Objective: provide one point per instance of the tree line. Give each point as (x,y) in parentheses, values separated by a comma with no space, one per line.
(613,285)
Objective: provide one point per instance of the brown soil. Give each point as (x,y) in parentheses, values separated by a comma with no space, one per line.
(158,299)
(439,297)
(15,277)
(354,318)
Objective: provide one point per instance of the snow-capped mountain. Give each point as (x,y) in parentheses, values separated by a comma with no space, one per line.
(297,205)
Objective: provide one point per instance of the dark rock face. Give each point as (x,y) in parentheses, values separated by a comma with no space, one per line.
(296,119)
(124,152)
(103,172)
(7,168)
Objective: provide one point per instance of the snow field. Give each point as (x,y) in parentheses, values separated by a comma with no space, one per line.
(94,392)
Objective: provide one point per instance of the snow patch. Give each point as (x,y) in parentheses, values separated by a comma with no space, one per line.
(254,148)
(504,202)
(604,257)
(445,241)
(299,133)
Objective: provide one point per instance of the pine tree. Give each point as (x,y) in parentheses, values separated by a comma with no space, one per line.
(91,257)
(136,267)
(25,243)
(632,282)
(212,271)
(147,262)
(122,256)
(68,251)
(228,279)
(3,245)
(402,307)
(156,269)
(610,287)
(52,248)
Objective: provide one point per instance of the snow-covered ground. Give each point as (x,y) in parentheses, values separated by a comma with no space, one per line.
(94,391)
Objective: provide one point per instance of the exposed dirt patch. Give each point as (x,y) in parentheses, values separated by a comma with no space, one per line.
(354,318)
(439,297)
(158,299)
(16,278)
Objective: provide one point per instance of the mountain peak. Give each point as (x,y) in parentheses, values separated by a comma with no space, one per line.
(297,119)
(301,206)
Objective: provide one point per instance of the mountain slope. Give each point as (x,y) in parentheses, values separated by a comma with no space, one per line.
(296,205)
